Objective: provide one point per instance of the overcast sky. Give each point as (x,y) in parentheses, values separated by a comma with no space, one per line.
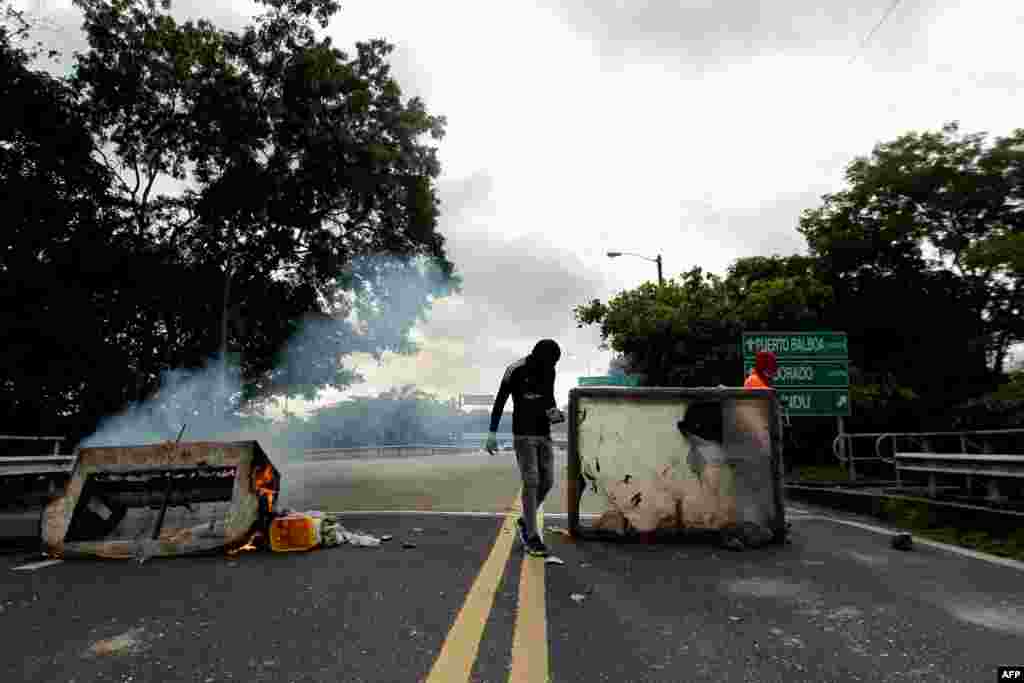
(697,129)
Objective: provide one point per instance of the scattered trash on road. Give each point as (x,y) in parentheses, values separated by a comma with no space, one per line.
(128,642)
(298,531)
(734,543)
(902,542)
(578,597)
(362,540)
(295,532)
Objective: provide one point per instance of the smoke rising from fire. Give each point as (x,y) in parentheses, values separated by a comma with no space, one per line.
(378,302)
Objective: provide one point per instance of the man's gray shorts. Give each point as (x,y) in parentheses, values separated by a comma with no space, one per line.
(536,462)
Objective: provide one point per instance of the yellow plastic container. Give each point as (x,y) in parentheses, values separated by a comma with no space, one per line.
(294,532)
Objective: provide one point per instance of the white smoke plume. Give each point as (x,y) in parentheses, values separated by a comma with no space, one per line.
(185,398)
(390,291)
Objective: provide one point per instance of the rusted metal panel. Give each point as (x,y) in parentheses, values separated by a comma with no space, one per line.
(116,500)
(661,459)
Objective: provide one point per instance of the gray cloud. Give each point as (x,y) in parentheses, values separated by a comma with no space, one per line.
(763,230)
(706,34)
(407,69)
(515,291)
(60,27)
(521,280)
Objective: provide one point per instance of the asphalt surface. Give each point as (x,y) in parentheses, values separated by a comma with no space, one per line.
(837,604)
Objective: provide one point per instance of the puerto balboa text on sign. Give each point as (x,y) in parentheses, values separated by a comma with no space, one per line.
(817,344)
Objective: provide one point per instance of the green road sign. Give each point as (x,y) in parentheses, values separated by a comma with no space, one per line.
(610,380)
(817,345)
(808,373)
(815,402)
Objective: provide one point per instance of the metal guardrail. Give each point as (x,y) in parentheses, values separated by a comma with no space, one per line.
(843,449)
(408,450)
(924,459)
(42,464)
(405,450)
(991,467)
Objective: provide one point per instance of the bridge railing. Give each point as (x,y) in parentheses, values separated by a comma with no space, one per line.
(37,463)
(934,453)
(846,448)
(404,450)
(995,456)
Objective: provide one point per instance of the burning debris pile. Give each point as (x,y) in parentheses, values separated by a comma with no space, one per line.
(161,499)
(137,502)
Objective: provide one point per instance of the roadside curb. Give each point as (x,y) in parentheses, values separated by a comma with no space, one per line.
(872,505)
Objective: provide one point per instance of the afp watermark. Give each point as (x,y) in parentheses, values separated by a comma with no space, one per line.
(1010,673)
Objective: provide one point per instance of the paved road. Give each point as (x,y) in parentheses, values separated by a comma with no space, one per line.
(838,604)
(473,482)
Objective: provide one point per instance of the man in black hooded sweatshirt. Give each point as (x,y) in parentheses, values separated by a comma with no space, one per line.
(530,382)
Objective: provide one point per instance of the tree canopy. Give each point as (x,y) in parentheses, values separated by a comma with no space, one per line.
(942,214)
(191,191)
(687,332)
(918,260)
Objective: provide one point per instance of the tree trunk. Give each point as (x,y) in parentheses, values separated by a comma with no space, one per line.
(228,275)
(1001,351)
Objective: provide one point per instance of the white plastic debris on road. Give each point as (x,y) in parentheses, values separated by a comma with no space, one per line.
(360,539)
(332,533)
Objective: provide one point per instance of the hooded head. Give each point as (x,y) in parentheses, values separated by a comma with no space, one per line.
(766,364)
(546,353)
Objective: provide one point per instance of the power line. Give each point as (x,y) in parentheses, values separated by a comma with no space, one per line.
(871,33)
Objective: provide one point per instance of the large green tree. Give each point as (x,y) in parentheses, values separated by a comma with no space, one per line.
(923,252)
(297,159)
(687,331)
(249,185)
(56,246)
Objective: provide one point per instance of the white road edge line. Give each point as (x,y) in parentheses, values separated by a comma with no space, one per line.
(957,550)
(32,566)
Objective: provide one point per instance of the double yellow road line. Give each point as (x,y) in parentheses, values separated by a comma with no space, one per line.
(530,640)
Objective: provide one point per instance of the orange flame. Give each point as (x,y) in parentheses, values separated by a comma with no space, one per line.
(263,480)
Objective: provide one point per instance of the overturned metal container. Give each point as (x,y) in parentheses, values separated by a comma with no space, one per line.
(659,460)
(161,500)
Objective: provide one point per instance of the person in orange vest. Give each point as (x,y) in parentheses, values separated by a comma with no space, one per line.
(765,368)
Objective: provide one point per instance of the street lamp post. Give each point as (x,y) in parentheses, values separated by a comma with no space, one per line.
(657,260)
